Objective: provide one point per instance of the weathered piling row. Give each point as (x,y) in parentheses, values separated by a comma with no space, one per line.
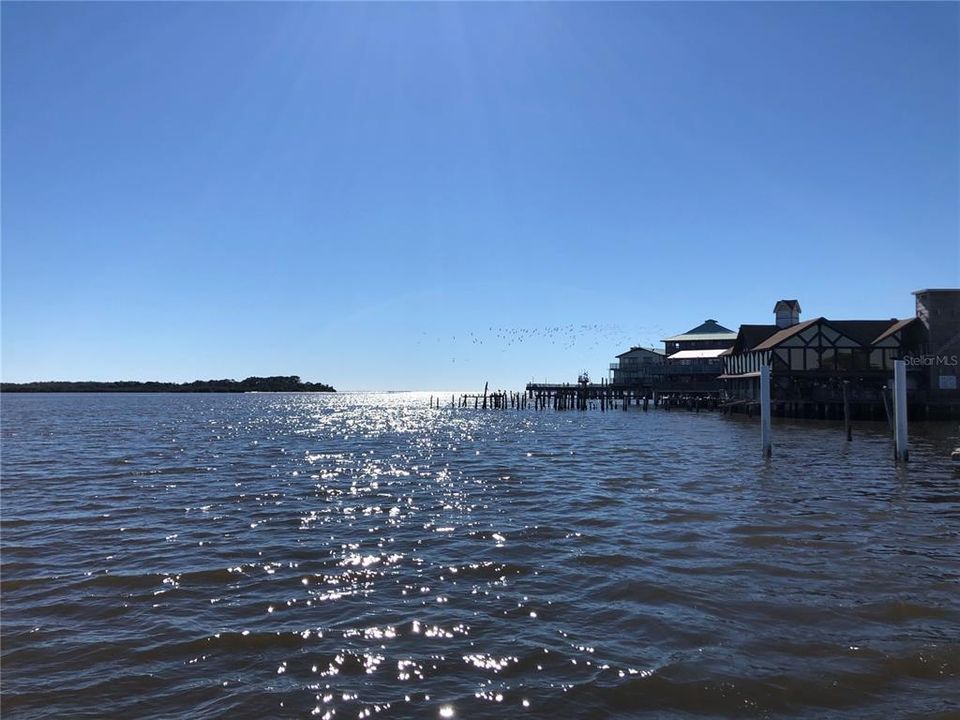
(497,400)
(583,396)
(604,397)
(846,410)
(851,404)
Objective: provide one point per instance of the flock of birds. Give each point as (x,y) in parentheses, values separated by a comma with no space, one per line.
(584,336)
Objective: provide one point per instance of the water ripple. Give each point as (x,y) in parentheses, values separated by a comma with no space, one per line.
(362,554)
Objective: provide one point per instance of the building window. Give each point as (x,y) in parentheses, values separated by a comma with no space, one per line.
(861,360)
(796,359)
(845,359)
(828,359)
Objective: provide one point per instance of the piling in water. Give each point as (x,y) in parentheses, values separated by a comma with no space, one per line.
(765,443)
(900,409)
(848,427)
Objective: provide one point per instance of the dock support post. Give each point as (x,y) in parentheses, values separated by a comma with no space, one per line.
(900,409)
(765,410)
(846,410)
(886,406)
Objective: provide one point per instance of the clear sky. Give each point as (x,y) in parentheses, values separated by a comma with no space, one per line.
(434,195)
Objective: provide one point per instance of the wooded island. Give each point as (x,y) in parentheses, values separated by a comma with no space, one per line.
(276,383)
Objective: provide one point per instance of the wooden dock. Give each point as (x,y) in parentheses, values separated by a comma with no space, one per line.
(583,396)
(609,396)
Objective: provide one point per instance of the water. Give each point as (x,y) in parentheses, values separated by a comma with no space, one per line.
(361,555)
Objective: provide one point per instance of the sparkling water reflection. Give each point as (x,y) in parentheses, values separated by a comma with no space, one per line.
(361,554)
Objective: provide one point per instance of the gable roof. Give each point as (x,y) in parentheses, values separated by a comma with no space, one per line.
(864,332)
(751,335)
(896,327)
(785,333)
(790,304)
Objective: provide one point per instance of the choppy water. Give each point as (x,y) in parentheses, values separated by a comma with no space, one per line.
(350,556)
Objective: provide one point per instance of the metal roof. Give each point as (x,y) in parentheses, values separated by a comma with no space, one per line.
(708,330)
(702,336)
(697,354)
(654,351)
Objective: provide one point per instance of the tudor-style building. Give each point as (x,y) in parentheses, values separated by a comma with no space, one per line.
(810,359)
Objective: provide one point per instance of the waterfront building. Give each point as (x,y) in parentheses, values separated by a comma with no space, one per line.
(694,359)
(708,336)
(690,363)
(810,360)
(635,366)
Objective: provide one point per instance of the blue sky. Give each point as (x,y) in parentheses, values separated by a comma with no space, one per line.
(434,195)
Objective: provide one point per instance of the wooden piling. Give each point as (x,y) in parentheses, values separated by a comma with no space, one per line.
(766,446)
(900,409)
(886,406)
(848,426)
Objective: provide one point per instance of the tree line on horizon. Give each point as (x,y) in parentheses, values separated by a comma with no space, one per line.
(275,383)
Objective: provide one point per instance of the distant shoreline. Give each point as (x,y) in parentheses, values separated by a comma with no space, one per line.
(278,383)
